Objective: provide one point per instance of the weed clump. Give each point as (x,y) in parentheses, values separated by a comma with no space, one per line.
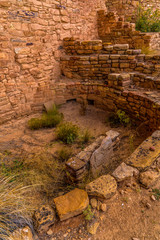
(88,214)
(119,118)
(15,206)
(67,132)
(48,120)
(64,154)
(85,137)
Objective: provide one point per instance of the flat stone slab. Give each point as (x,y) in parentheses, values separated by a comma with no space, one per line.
(75,163)
(146,153)
(149,178)
(103,187)
(71,204)
(123,172)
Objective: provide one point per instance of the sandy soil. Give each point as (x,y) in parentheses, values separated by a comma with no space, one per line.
(127,217)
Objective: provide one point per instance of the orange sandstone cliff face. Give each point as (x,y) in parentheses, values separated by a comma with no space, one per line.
(31,34)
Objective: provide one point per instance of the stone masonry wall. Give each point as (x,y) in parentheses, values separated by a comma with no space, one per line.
(113,77)
(31,33)
(128,8)
(96,59)
(115,29)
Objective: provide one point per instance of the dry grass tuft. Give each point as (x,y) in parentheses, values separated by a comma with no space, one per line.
(16,205)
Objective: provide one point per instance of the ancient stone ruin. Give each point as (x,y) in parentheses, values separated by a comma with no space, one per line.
(87,51)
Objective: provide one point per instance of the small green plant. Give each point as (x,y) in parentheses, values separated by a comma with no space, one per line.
(118,118)
(148,20)
(88,214)
(156,193)
(85,137)
(64,154)
(67,132)
(123,117)
(48,120)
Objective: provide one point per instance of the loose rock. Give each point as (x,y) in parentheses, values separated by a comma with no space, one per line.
(92,228)
(71,204)
(44,217)
(153,198)
(149,178)
(94,203)
(103,207)
(124,171)
(103,187)
(22,234)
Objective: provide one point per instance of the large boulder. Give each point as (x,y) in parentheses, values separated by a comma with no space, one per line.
(103,187)
(71,204)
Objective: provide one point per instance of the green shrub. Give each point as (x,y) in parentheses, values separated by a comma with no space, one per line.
(48,120)
(64,154)
(35,123)
(123,117)
(67,132)
(118,118)
(148,20)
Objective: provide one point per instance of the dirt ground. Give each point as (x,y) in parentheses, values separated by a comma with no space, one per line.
(127,216)
(130,214)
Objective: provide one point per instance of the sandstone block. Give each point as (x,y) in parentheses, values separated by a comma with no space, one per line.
(124,171)
(149,178)
(103,187)
(142,157)
(71,204)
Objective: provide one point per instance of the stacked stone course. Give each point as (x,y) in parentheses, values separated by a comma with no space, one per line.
(114,77)
(115,29)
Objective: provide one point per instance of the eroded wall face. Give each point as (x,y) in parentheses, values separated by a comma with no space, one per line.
(128,8)
(31,33)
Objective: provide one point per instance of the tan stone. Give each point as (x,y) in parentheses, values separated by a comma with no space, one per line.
(123,172)
(22,234)
(103,187)
(149,178)
(71,204)
(92,228)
